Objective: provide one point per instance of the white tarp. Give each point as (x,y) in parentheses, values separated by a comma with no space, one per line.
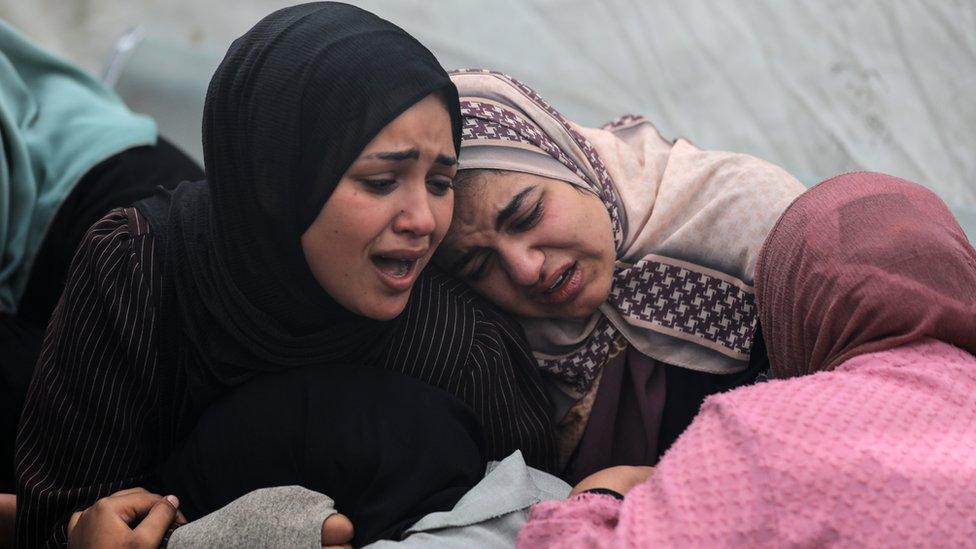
(819,87)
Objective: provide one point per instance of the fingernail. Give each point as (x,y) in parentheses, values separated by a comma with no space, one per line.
(174,501)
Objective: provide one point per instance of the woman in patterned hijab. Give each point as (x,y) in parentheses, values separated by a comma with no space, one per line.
(629,259)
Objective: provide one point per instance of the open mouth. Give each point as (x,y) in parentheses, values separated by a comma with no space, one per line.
(396,268)
(562,279)
(564,288)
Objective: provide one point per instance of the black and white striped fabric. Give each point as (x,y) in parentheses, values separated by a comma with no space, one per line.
(107,400)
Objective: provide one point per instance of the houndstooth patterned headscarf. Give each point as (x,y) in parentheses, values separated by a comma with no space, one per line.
(687,225)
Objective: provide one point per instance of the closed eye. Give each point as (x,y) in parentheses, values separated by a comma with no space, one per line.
(378,185)
(440,186)
(480,269)
(530,219)
(473,264)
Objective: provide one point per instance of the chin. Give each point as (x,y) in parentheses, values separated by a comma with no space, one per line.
(566,313)
(580,312)
(384,309)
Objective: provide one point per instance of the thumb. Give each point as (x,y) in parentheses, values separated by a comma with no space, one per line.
(152,528)
(336,530)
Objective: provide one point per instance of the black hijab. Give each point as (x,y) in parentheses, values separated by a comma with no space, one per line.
(291,106)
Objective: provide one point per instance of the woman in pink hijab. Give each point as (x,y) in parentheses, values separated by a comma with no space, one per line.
(866,290)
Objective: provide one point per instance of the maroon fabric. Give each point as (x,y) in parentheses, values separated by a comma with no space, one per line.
(861,263)
(625,421)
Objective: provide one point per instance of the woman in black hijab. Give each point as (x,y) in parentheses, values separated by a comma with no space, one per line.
(328,153)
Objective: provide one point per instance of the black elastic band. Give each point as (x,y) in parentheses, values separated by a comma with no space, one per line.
(605,492)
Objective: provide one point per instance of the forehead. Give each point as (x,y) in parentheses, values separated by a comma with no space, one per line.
(478,201)
(476,205)
(490,191)
(426,122)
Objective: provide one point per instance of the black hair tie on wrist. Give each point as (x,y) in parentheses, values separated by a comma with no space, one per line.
(605,492)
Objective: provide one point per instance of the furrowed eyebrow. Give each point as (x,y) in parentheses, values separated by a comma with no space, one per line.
(412,154)
(396,156)
(445,160)
(512,207)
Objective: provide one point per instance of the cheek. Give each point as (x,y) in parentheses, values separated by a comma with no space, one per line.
(442,208)
(360,220)
(559,230)
(499,289)
(327,247)
(489,286)
(343,234)
(595,231)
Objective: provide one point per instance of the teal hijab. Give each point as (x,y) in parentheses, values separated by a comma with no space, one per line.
(56,124)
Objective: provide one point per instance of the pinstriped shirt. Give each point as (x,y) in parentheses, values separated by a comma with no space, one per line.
(92,420)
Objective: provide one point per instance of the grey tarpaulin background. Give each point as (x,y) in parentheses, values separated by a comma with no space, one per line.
(819,86)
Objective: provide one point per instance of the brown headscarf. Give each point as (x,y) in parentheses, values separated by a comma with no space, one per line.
(862,263)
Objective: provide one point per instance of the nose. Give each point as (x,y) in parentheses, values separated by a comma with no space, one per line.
(416,216)
(522,262)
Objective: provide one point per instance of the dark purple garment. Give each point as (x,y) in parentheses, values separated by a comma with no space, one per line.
(625,420)
(642,406)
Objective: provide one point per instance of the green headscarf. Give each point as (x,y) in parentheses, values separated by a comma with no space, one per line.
(56,124)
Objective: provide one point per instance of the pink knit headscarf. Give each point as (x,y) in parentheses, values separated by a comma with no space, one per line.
(862,263)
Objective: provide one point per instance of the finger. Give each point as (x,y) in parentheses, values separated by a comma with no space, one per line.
(128,507)
(152,528)
(180,518)
(336,530)
(75,517)
(343,546)
(134,490)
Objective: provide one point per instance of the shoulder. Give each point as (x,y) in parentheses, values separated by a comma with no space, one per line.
(763,404)
(443,307)
(461,297)
(457,325)
(116,255)
(490,326)
(120,229)
(436,286)
(921,354)
(791,420)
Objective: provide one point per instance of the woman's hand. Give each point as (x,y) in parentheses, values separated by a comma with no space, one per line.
(8,511)
(108,523)
(620,479)
(337,532)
